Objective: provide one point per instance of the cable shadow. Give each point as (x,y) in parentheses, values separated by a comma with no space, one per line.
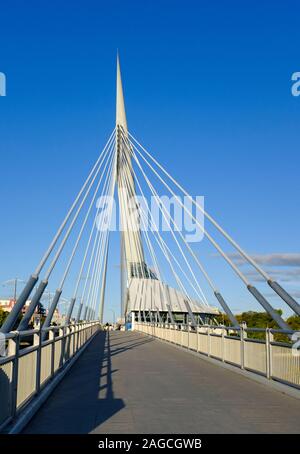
(76,405)
(85,398)
(130,347)
(108,405)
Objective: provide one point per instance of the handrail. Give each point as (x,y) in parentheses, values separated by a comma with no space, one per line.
(227,328)
(276,360)
(44,358)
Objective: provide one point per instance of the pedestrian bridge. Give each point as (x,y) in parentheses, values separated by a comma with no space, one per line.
(129,382)
(75,378)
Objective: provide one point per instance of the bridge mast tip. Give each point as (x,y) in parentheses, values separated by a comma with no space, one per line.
(120,105)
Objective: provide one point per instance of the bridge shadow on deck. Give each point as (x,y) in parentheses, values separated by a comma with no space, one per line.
(85,398)
(126,382)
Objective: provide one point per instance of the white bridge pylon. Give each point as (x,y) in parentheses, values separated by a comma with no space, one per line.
(148,259)
(145,295)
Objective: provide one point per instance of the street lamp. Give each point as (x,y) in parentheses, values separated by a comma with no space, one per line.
(63,302)
(14,283)
(114,314)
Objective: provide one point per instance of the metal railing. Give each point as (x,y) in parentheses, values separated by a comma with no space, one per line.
(274,360)
(26,370)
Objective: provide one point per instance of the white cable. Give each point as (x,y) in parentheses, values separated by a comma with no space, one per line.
(163,247)
(88,245)
(62,226)
(151,251)
(201,294)
(57,255)
(215,244)
(125,226)
(104,249)
(98,241)
(209,217)
(154,192)
(95,271)
(83,226)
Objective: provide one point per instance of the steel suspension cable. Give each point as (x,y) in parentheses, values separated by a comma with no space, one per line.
(281,292)
(163,247)
(253,290)
(36,298)
(95,249)
(104,248)
(17,309)
(202,294)
(58,292)
(87,248)
(216,292)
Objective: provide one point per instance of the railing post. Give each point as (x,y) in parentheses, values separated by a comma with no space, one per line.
(63,344)
(208,342)
(73,338)
(37,340)
(14,348)
(242,336)
(197,333)
(269,340)
(52,339)
(81,334)
(77,336)
(188,331)
(223,344)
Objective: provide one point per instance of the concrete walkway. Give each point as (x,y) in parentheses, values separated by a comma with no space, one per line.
(130,383)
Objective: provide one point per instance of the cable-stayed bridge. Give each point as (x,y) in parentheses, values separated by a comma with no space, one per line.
(167,293)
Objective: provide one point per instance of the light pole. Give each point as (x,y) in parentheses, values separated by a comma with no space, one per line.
(64,302)
(13,282)
(114,314)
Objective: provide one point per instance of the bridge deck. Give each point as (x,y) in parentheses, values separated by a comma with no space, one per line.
(129,383)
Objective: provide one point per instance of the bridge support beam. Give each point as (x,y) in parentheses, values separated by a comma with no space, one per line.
(10,322)
(226,308)
(191,315)
(268,308)
(170,314)
(70,310)
(34,303)
(158,316)
(79,310)
(285,296)
(51,310)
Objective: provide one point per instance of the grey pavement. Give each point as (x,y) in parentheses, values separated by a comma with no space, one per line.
(126,382)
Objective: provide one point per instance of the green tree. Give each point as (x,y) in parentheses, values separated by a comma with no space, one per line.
(294,322)
(223,319)
(261,320)
(3,316)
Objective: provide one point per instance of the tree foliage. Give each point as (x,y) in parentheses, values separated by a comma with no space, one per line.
(3,315)
(261,320)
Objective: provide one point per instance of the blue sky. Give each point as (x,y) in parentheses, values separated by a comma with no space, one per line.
(208,91)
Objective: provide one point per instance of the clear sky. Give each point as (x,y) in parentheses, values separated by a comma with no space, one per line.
(208,91)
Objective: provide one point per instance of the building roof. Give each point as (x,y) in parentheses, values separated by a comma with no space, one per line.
(152,294)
